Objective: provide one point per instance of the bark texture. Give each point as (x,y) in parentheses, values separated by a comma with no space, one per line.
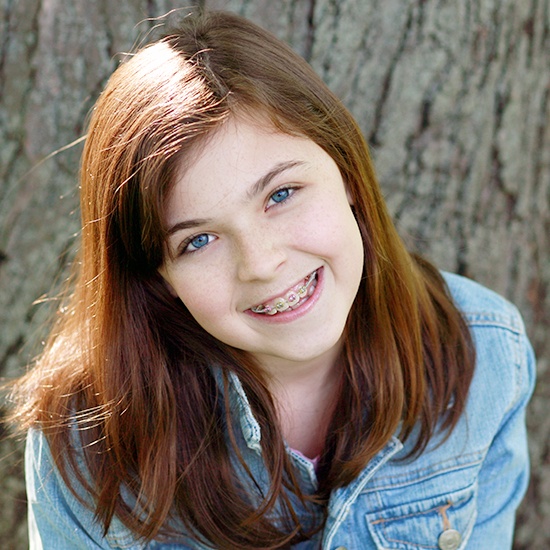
(453,97)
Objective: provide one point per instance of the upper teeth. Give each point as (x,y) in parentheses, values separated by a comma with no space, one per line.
(291,299)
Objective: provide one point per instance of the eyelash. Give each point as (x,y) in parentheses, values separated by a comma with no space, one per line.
(185,244)
(183,249)
(291,189)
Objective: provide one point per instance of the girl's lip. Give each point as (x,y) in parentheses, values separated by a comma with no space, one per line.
(292,314)
(294,288)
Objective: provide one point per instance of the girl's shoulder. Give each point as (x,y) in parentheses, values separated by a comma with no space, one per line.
(505,373)
(466,484)
(61,518)
(479,304)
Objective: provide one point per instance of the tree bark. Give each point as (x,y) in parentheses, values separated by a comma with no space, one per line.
(453,98)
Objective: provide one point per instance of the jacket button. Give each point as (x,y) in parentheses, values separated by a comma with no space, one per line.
(450,539)
(341,548)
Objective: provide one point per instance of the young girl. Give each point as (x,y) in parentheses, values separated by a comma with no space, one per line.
(249,357)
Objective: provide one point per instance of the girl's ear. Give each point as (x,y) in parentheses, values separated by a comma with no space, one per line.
(348,195)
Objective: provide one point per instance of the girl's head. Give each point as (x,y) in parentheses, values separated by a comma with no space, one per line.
(162,108)
(263,247)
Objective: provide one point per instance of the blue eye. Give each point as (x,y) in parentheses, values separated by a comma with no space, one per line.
(197,242)
(281,195)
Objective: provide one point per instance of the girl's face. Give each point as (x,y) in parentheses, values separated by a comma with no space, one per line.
(264,250)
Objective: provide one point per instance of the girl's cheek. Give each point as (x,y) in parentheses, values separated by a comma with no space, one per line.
(202,290)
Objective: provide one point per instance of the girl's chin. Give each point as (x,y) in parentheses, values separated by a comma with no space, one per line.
(316,354)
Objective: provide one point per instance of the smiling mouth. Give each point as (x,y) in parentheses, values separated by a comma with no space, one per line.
(293,299)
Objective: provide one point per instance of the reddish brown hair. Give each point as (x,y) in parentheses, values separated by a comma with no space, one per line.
(129,365)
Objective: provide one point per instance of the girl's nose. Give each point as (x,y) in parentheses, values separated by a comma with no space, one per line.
(259,255)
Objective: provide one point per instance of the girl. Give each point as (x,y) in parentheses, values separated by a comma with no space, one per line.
(249,357)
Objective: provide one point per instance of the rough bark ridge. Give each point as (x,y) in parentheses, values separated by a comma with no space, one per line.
(453,98)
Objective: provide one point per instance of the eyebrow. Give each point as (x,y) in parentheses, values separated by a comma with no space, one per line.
(255,190)
(265,180)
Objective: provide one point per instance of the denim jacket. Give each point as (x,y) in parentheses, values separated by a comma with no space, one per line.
(462,493)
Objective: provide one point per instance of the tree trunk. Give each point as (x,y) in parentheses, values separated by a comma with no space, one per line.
(453,98)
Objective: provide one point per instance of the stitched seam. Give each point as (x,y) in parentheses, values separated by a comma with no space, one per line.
(405,516)
(518,363)
(393,480)
(441,509)
(494,323)
(388,537)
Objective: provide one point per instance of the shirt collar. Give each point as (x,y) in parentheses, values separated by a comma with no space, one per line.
(240,409)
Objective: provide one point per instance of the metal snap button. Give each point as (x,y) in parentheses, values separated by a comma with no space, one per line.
(450,539)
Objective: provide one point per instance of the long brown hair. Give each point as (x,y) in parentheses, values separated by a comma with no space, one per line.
(129,367)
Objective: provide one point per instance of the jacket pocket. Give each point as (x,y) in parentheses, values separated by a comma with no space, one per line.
(445,522)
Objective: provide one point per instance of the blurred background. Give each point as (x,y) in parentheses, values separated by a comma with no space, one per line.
(453,98)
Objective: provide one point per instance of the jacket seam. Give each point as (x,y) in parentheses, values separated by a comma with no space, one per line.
(391,483)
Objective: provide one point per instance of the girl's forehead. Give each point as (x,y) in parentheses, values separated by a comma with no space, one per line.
(214,139)
(234,161)
(239,146)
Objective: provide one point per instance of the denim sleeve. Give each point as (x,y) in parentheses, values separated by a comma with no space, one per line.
(504,476)
(56,518)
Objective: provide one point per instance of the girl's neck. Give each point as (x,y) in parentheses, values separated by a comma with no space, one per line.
(305,399)
(317,372)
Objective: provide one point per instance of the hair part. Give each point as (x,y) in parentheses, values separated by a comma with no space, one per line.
(124,345)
